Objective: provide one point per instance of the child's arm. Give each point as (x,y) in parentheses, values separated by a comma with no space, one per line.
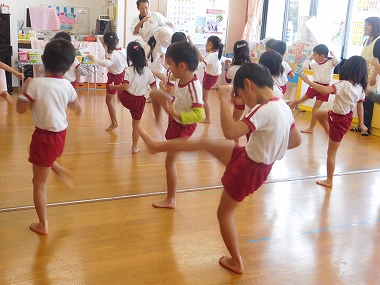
(360,111)
(320,88)
(11,70)
(231,129)
(159,75)
(291,74)
(102,62)
(21,105)
(123,86)
(75,106)
(335,60)
(199,52)
(295,138)
(306,63)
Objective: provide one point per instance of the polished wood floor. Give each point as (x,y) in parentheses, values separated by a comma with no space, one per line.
(105,231)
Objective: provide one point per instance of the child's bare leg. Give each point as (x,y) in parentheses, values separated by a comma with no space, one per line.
(159,101)
(110,101)
(40,176)
(313,122)
(227,226)
(135,135)
(7,97)
(206,106)
(63,174)
(221,149)
(171,181)
(295,103)
(323,118)
(331,155)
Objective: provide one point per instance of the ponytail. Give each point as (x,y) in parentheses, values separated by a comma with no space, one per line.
(220,50)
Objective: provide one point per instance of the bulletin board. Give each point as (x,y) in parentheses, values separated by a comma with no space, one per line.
(73,19)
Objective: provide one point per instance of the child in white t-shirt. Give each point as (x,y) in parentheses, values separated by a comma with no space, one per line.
(138,80)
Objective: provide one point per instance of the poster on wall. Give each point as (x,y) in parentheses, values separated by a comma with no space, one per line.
(72,19)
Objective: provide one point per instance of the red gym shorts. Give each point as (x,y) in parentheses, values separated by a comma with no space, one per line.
(46,146)
(243,176)
(177,130)
(209,81)
(135,104)
(115,79)
(311,93)
(339,125)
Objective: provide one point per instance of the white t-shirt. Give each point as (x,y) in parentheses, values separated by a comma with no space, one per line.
(322,71)
(3,81)
(150,27)
(347,95)
(231,72)
(277,91)
(188,96)
(49,97)
(213,64)
(270,124)
(283,79)
(71,74)
(116,61)
(139,84)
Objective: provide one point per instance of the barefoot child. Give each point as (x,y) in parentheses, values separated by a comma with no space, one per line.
(349,91)
(322,68)
(3,81)
(115,61)
(184,112)
(138,79)
(247,168)
(48,97)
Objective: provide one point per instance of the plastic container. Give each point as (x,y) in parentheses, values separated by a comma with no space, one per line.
(33,57)
(22,56)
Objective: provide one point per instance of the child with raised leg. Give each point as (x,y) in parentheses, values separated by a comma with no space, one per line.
(138,79)
(349,91)
(322,68)
(184,113)
(116,62)
(247,168)
(48,97)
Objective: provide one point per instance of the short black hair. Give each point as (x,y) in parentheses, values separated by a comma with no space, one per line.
(273,61)
(279,46)
(178,37)
(268,43)
(254,72)
(321,49)
(141,1)
(59,55)
(183,52)
(62,35)
(355,70)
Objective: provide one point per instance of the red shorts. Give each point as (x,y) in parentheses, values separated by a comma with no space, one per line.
(46,146)
(311,93)
(339,125)
(283,88)
(115,79)
(135,104)
(209,81)
(243,176)
(177,130)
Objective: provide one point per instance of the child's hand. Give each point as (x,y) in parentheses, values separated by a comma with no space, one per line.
(332,53)
(189,39)
(91,57)
(171,110)
(111,86)
(375,61)
(224,92)
(20,75)
(305,79)
(227,63)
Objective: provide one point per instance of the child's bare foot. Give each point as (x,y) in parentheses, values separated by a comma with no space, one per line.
(39,228)
(326,183)
(135,150)
(228,263)
(7,97)
(307,131)
(164,204)
(150,142)
(112,127)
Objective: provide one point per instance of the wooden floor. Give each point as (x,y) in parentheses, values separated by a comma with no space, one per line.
(105,231)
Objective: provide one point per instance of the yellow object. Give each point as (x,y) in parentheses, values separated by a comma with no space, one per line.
(23,36)
(376,120)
